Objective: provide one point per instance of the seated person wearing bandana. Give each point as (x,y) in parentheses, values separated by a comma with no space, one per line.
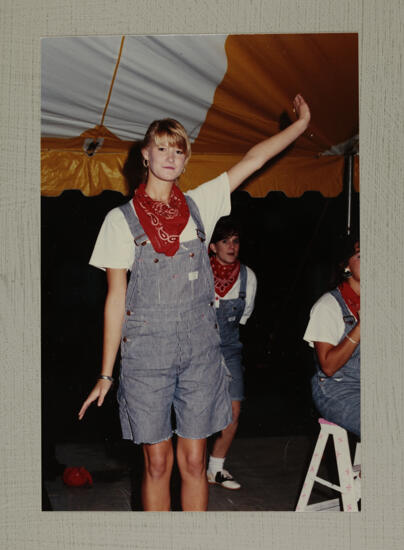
(334,333)
(235,289)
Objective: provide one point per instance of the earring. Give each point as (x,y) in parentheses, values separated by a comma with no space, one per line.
(347,273)
(183,171)
(145,163)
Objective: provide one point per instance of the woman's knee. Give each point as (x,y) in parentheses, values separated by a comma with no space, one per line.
(192,460)
(158,461)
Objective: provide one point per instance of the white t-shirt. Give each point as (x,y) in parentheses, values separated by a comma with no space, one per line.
(326,322)
(251,289)
(114,247)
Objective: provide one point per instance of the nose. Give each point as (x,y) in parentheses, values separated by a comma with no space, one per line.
(170,155)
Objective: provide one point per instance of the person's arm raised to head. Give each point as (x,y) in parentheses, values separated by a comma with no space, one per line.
(332,358)
(258,155)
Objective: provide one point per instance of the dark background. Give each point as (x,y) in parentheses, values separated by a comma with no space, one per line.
(289,243)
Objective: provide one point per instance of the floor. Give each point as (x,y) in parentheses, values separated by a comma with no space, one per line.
(270,469)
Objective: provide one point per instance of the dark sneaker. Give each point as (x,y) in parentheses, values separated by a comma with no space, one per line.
(224,479)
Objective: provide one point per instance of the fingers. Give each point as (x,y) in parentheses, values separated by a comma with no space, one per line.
(83,409)
(86,404)
(98,394)
(92,397)
(297,102)
(100,401)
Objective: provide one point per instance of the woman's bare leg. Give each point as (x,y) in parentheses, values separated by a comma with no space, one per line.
(191,458)
(224,440)
(159,459)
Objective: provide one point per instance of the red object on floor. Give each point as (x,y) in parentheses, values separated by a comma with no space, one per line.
(77,477)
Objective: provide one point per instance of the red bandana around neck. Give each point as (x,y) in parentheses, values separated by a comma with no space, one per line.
(162,223)
(352,300)
(224,275)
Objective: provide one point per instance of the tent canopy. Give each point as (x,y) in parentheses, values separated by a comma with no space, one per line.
(229,91)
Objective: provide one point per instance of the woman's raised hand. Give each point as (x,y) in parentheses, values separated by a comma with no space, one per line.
(99,392)
(301,109)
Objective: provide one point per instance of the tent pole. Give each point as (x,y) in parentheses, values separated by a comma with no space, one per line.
(349,159)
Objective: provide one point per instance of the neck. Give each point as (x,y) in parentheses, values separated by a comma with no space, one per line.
(159,191)
(225,263)
(355,285)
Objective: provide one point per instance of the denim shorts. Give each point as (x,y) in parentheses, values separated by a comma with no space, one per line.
(172,363)
(338,401)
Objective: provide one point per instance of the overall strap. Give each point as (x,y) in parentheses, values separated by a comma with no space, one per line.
(344,308)
(194,211)
(347,315)
(243,281)
(139,236)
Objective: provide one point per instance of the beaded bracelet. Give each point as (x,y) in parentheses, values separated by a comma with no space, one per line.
(105,377)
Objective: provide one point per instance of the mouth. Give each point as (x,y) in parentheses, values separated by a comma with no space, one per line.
(168,167)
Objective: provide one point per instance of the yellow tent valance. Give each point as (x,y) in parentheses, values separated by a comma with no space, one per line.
(67,166)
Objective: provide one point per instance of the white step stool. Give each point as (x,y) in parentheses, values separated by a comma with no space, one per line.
(349,480)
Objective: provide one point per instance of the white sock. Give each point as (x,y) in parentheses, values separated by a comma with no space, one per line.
(215,464)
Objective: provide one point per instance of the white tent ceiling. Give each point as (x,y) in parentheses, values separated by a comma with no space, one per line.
(158,77)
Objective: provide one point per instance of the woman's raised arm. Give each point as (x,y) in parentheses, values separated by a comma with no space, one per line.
(258,155)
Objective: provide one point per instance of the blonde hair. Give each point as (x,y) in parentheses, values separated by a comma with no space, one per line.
(170,130)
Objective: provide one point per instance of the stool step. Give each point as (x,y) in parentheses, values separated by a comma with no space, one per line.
(328,484)
(325,506)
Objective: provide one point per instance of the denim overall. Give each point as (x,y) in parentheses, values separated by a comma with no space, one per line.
(170,347)
(337,397)
(228,315)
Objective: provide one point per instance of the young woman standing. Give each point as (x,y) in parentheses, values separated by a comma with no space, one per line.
(164,316)
(235,289)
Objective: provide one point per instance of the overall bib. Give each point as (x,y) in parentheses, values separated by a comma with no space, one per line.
(229,314)
(170,347)
(337,397)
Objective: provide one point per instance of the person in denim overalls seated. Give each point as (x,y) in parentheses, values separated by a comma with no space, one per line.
(164,318)
(235,288)
(334,331)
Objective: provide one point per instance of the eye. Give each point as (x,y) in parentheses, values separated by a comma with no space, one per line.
(161,148)
(179,152)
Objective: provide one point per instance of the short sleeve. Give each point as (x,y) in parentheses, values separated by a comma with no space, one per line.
(213,201)
(326,323)
(114,246)
(251,291)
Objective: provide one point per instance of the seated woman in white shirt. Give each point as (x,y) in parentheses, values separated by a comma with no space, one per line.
(334,332)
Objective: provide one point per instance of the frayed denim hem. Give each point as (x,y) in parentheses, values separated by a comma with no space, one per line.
(203,436)
(153,442)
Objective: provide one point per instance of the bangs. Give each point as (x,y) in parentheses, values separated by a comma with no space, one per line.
(171,138)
